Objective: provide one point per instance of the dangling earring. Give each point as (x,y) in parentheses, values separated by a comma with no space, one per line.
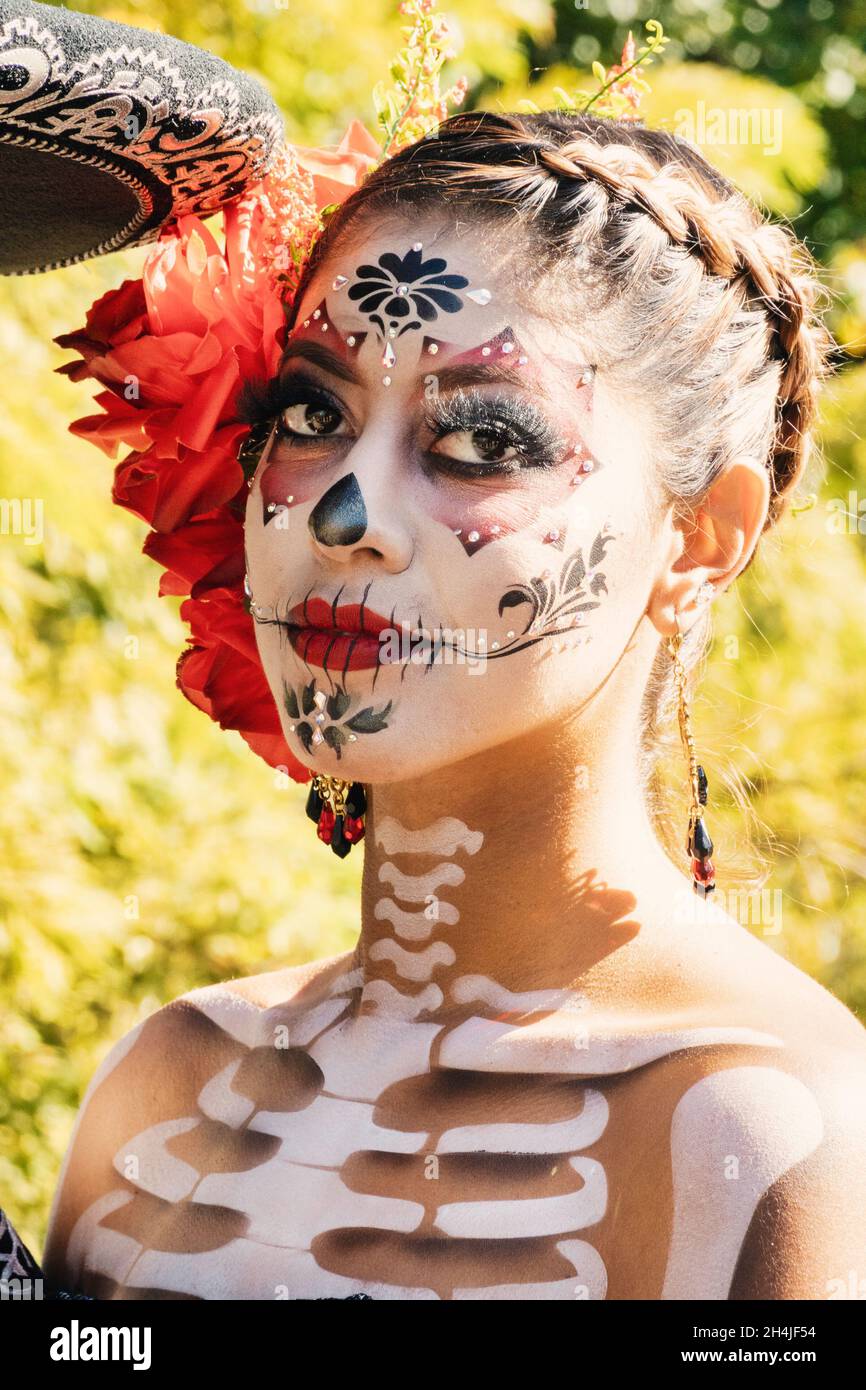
(338,807)
(699,846)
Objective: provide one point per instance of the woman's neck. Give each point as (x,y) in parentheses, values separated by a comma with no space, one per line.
(527,865)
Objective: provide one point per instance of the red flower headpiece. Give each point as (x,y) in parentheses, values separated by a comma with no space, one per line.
(172,351)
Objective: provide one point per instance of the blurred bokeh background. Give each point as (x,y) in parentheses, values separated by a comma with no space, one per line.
(142,850)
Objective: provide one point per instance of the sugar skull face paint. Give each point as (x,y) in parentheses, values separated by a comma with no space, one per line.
(447,478)
(556,457)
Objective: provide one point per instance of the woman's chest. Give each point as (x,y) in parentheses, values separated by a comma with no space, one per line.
(326,1170)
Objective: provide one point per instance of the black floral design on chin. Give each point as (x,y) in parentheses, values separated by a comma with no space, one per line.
(327,717)
(406,290)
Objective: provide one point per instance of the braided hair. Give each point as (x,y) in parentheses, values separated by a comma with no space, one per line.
(704,310)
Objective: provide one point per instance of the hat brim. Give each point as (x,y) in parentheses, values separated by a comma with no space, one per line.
(109,132)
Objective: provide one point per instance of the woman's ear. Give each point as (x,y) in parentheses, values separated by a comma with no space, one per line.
(712,544)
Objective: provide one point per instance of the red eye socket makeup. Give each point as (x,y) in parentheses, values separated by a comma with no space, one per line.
(523,459)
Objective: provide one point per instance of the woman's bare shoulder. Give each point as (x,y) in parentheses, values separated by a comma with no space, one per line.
(741,973)
(271,988)
(155,1072)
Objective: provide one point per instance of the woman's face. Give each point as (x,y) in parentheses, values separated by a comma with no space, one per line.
(448,536)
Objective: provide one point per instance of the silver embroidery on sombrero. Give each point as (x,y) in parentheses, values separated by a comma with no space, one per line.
(110,113)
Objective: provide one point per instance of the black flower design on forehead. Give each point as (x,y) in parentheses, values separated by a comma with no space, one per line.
(400,288)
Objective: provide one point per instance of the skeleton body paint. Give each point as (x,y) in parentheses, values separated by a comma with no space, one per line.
(434,1135)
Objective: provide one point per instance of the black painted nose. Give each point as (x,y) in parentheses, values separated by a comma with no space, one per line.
(339,517)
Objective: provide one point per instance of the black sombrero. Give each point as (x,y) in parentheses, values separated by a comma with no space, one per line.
(108,132)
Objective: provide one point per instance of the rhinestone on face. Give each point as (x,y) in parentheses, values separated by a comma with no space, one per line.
(271,507)
(586,377)
(433,347)
(319,718)
(402,290)
(552,536)
(247,589)
(389,357)
(510,633)
(494,530)
(353,738)
(578,478)
(485,352)
(291,728)
(586,466)
(386,381)
(339,281)
(507,347)
(351,340)
(306,323)
(291,497)
(417,245)
(324,328)
(320,699)
(317,313)
(473,536)
(479,296)
(522,359)
(318,736)
(494,646)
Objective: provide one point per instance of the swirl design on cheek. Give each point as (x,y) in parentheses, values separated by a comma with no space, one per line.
(555,607)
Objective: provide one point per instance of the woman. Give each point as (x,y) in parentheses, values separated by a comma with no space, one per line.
(549,1069)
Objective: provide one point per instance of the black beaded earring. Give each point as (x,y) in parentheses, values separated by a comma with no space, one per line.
(699,846)
(338,807)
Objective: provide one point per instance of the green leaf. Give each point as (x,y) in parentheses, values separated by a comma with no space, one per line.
(380,98)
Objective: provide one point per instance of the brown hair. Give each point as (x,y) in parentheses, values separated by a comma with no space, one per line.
(700,294)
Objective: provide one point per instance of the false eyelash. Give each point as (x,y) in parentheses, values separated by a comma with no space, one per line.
(261,401)
(520,424)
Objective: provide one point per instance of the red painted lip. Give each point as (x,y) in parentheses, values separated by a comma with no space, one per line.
(348,637)
(347,617)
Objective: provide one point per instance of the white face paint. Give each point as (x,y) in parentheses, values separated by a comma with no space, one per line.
(422,536)
(438,1135)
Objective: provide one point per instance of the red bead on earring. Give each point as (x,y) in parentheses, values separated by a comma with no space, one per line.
(338,808)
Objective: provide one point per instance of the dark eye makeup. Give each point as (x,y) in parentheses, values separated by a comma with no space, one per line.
(496,422)
(509,432)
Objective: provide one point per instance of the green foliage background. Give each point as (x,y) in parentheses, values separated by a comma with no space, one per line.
(142,850)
